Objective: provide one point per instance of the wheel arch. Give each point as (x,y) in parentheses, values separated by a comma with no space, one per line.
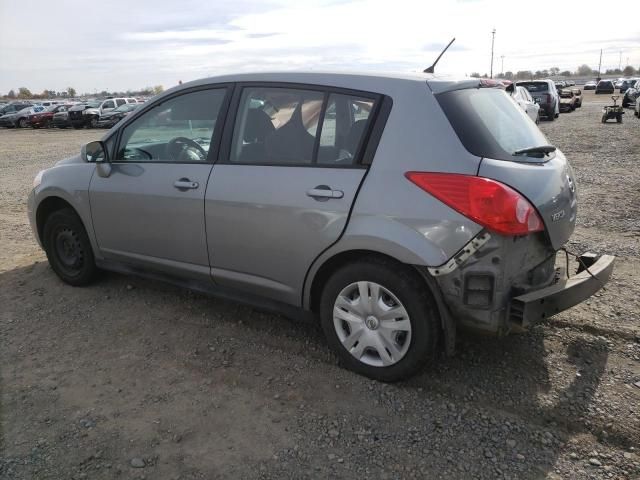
(46,207)
(333,263)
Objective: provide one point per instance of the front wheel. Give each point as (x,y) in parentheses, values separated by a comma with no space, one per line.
(22,123)
(380,319)
(604,118)
(68,248)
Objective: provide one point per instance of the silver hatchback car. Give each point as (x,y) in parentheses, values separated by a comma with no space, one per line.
(395,209)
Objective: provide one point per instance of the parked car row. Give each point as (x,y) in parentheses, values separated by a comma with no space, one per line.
(94,113)
(543,98)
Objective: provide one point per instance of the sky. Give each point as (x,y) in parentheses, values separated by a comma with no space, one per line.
(116,45)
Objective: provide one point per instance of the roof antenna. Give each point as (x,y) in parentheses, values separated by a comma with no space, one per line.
(431,68)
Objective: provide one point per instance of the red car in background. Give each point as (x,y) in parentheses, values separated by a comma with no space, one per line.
(44,119)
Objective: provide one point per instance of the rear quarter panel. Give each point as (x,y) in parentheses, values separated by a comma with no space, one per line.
(393,216)
(417,137)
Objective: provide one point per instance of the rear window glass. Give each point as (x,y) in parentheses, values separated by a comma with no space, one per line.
(535,86)
(489,124)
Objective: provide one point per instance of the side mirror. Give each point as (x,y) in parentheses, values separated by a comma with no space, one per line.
(95,152)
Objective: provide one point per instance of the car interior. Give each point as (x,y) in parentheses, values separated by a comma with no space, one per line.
(281,126)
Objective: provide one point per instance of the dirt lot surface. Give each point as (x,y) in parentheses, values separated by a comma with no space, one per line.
(130,379)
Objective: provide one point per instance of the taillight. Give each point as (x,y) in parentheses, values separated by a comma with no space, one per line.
(487,202)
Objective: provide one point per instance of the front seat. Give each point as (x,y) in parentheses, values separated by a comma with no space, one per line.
(256,130)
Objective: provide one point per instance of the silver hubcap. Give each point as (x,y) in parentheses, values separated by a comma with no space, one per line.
(372,324)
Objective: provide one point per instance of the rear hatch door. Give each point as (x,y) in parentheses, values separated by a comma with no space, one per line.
(491,126)
(549,186)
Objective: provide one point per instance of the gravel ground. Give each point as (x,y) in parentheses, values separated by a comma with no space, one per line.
(134,379)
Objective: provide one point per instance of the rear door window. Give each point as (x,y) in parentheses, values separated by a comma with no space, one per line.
(291,126)
(489,124)
(276,126)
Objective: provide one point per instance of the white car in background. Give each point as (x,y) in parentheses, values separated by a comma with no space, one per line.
(525,101)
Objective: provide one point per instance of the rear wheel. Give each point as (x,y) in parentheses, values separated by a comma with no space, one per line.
(380,319)
(538,118)
(619,118)
(551,116)
(68,248)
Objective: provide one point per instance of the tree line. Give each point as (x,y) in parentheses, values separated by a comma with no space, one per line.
(24,93)
(583,70)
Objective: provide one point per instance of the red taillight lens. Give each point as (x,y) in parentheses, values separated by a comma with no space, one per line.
(487,202)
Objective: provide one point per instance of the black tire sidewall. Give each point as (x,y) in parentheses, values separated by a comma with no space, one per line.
(415,297)
(70,219)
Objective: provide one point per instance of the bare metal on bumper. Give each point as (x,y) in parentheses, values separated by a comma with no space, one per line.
(537,305)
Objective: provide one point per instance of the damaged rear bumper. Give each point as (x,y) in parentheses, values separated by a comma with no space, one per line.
(532,307)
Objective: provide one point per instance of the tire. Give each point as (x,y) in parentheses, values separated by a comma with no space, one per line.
(93,123)
(538,118)
(22,123)
(68,248)
(413,345)
(551,116)
(619,118)
(604,118)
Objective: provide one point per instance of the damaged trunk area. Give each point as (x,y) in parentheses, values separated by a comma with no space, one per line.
(479,289)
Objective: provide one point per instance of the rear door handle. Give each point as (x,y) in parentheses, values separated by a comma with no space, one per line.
(185,184)
(324,192)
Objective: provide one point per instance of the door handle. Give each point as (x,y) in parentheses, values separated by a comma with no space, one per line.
(324,192)
(185,184)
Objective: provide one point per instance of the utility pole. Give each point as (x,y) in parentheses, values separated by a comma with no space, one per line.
(620,62)
(502,65)
(600,65)
(493,39)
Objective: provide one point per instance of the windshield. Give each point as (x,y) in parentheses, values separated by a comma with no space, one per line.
(535,87)
(93,104)
(489,124)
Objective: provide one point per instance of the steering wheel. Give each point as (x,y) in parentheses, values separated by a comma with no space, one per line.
(176,148)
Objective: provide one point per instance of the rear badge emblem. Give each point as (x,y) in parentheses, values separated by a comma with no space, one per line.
(557,216)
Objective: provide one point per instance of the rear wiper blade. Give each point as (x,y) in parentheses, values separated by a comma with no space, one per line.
(545,149)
